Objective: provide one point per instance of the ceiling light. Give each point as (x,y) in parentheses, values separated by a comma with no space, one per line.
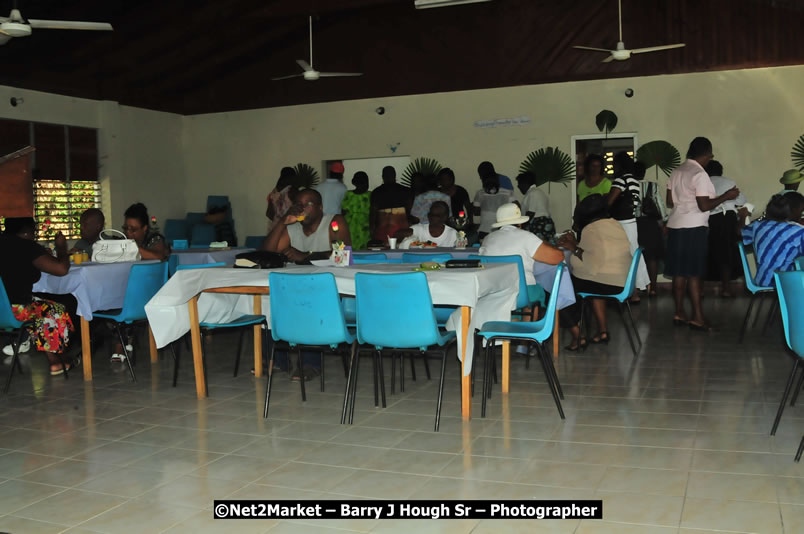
(426,4)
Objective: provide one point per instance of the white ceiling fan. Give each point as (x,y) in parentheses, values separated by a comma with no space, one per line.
(310,74)
(16,26)
(620,53)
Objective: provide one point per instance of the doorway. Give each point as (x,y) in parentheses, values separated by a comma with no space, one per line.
(606,146)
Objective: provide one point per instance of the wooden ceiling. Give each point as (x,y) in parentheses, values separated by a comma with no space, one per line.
(193,57)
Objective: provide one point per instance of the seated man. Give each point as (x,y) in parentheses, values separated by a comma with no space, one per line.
(92,223)
(305,233)
(435,230)
(510,240)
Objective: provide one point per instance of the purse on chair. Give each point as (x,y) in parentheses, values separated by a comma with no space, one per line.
(115,250)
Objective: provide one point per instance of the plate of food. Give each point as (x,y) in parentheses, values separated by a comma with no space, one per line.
(428,266)
(423,244)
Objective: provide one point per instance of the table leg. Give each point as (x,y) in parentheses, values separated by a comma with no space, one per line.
(152,343)
(86,350)
(466,379)
(555,337)
(506,365)
(198,362)
(258,337)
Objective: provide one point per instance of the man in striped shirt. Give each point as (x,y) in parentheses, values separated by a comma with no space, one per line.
(778,239)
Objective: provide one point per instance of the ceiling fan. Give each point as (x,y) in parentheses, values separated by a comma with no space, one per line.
(620,53)
(310,74)
(16,26)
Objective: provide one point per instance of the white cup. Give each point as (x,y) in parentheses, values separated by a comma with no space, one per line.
(392,242)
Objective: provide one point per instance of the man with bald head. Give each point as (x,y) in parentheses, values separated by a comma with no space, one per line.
(92,223)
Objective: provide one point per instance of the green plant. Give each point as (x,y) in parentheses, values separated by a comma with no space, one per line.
(661,154)
(424,166)
(306,176)
(606,120)
(798,153)
(549,165)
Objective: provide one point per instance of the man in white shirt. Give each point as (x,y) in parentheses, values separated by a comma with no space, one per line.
(511,240)
(332,189)
(434,230)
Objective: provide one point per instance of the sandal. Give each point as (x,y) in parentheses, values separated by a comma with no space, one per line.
(701,327)
(600,337)
(677,321)
(69,365)
(582,343)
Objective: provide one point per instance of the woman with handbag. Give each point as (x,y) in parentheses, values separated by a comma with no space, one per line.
(152,244)
(22,260)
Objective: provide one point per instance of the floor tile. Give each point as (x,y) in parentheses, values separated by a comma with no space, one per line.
(644,481)
(70,507)
(643,509)
(725,486)
(127,481)
(140,516)
(17,494)
(13,524)
(67,473)
(370,484)
(732,515)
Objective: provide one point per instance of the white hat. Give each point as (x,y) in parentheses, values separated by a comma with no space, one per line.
(509,214)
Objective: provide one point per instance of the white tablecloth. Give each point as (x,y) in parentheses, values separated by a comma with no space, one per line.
(96,286)
(396,254)
(198,256)
(490,292)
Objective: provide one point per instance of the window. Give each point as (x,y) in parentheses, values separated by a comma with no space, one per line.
(65,172)
(58,206)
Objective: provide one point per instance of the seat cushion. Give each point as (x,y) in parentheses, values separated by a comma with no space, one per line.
(243,320)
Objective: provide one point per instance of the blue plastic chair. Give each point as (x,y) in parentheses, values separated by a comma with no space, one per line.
(536,331)
(361,259)
(622,299)
(17,329)
(421,257)
(411,327)
(800,263)
(202,235)
(254,241)
(754,289)
(241,322)
(144,280)
(306,312)
(176,229)
(790,289)
(180,244)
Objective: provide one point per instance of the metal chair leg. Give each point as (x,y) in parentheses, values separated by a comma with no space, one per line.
(15,364)
(322,370)
(747,317)
(581,325)
(354,386)
(779,412)
(771,316)
(797,389)
(627,328)
(550,383)
(175,363)
(486,380)
(633,324)
(239,350)
(301,375)
(381,376)
(348,382)
(759,309)
(270,379)
(552,368)
(441,389)
(412,368)
(426,365)
(376,383)
(393,373)
(800,449)
(125,351)
(402,372)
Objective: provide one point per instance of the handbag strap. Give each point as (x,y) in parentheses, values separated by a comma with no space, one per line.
(113,231)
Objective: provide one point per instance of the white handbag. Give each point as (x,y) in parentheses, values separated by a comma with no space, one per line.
(115,250)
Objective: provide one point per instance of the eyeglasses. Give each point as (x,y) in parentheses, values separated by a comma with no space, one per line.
(127,228)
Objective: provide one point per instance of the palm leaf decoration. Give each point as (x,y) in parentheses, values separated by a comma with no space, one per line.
(425,166)
(798,153)
(549,165)
(661,154)
(306,176)
(606,120)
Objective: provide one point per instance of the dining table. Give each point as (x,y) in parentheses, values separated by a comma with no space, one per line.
(199,256)
(222,294)
(96,286)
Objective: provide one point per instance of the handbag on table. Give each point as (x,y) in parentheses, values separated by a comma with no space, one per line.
(115,250)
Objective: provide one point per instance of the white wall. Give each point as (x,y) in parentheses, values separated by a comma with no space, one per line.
(140,151)
(753,118)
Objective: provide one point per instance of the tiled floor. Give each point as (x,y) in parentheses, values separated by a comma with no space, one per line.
(674,441)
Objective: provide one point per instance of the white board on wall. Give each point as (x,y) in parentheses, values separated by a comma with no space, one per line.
(373,167)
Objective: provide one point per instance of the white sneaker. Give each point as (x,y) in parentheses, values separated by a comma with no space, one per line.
(8,350)
(119,357)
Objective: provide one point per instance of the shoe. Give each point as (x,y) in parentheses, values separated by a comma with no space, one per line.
(309,374)
(582,343)
(601,337)
(701,327)
(70,366)
(121,357)
(680,322)
(8,350)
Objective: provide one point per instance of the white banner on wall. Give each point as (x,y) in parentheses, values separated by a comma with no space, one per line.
(495,123)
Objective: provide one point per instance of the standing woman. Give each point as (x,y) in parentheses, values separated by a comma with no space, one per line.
(593,183)
(691,195)
(22,262)
(624,200)
(356,207)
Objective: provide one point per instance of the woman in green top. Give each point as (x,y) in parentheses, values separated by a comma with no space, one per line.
(356,207)
(593,183)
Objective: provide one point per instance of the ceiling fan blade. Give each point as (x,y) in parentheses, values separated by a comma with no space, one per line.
(608,59)
(288,77)
(69,25)
(304,65)
(334,74)
(656,48)
(591,48)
